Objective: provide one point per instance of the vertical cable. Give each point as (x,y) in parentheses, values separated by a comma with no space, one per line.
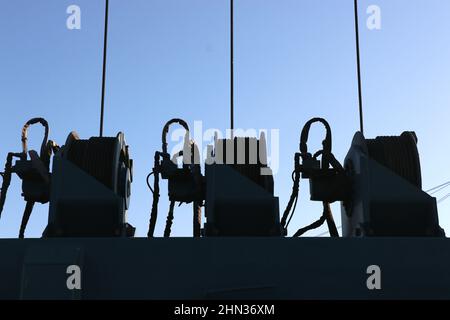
(197,223)
(105,45)
(358,63)
(231,68)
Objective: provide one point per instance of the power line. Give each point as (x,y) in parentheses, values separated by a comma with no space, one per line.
(358,65)
(231,67)
(438,188)
(444,198)
(326,232)
(105,46)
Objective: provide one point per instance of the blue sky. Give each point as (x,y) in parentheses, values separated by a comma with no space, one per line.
(294,59)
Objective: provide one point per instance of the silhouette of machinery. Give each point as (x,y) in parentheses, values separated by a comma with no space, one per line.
(386,194)
(379,186)
(237,189)
(91,188)
(240,190)
(88,188)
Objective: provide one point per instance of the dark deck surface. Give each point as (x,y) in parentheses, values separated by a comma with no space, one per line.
(225,268)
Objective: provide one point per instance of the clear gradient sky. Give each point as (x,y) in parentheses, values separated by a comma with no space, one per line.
(294,59)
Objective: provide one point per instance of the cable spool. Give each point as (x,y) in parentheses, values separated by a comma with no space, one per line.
(97,157)
(249,157)
(399,154)
(92,204)
(104,158)
(386,198)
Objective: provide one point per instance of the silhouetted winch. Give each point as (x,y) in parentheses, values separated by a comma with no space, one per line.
(91,188)
(399,154)
(386,195)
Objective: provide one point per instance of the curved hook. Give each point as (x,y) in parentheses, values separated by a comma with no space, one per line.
(166,130)
(326,142)
(44,123)
(305,133)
